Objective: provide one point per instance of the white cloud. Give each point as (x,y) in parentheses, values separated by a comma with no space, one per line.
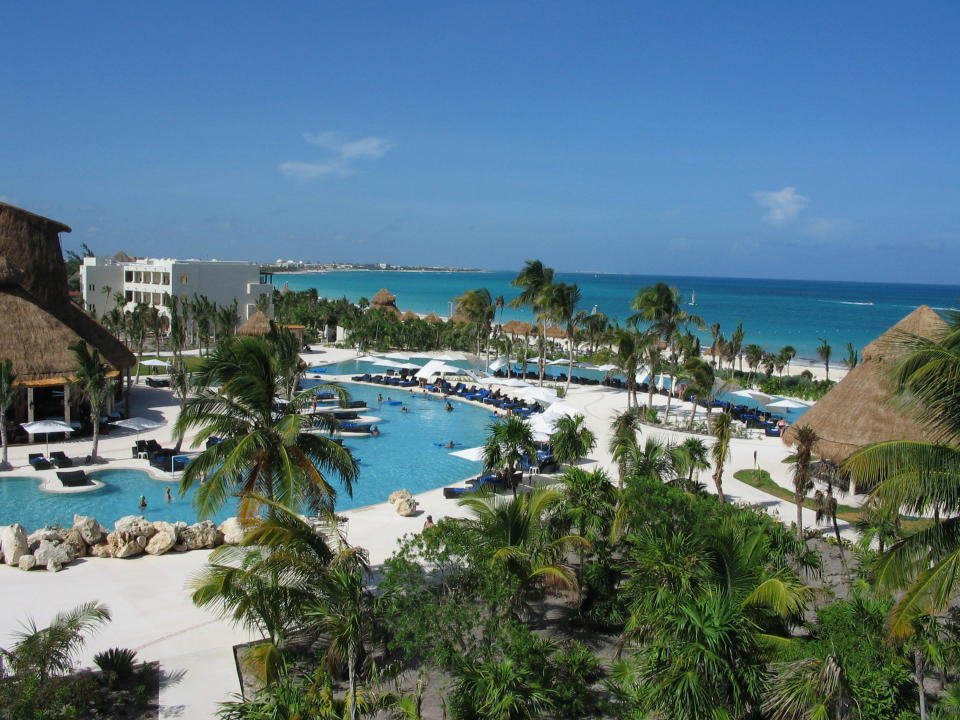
(343,153)
(782,206)
(310,171)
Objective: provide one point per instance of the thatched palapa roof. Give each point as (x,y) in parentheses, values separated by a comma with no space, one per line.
(384,297)
(554,331)
(433,318)
(257,325)
(121,257)
(858,410)
(37,319)
(410,315)
(517,327)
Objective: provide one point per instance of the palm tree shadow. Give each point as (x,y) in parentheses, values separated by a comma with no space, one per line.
(169,679)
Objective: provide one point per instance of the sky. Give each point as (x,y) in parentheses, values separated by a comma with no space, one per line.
(807,140)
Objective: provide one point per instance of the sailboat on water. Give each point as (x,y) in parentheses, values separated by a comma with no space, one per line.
(693,298)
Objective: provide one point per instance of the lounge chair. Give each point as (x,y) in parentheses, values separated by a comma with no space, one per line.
(74,478)
(39,462)
(156,383)
(61,460)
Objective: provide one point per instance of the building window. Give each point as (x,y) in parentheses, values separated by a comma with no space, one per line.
(129,296)
(128,276)
(184,278)
(91,287)
(166,278)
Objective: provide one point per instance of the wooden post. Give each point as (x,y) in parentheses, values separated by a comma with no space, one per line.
(30,417)
(66,403)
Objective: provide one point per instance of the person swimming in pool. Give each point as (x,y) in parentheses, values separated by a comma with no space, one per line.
(375,431)
(448,407)
(143,503)
(403,409)
(379,398)
(450,444)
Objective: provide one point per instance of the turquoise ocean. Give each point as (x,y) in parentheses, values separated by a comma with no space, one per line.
(774,312)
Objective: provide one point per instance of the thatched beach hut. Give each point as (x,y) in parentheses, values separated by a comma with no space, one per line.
(410,315)
(38,321)
(386,300)
(257,325)
(858,410)
(433,318)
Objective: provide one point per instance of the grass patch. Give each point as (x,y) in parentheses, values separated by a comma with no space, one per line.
(190,361)
(761,480)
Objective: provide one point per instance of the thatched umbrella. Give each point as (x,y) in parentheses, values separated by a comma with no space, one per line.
(121,257)
(384,297)
(860,409)
(257,325)
(459,318)
(433,318)
(555,332)
(410,315)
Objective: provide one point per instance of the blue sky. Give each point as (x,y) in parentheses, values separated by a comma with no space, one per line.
(812,140)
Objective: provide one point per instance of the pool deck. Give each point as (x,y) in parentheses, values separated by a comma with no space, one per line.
(148,596)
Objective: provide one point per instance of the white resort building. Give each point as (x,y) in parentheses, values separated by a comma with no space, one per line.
(147,280)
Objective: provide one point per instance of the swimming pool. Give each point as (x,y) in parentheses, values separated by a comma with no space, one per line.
(403,456)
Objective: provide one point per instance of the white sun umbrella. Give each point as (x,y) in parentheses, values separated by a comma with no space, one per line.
(538,394)
(606,367)
(474,454)
(45,427)
(437,367)
(559,362)
(500,362)
(452,357)
(367,359)
(155,362)
(139,424)
(787,405)
(507,382)
(586,366)
(409,366)
(397,356)
(383,362)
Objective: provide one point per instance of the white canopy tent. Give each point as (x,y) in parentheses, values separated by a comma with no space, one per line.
(474,454)
(155,362)
(538,394)
(500,362)
(787,405)
(437,367)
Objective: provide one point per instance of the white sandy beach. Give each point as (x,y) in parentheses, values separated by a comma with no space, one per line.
(153,614)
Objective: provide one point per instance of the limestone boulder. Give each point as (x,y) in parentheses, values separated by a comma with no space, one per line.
(122,545)
(134,526)
(27,562)
(90,530)
(399,495)
(160,543)
(201,535)
(232,531)
(50,551)
(54,566)
(74,540)
(37,536)
(13,543)
(101,551)
(406,507)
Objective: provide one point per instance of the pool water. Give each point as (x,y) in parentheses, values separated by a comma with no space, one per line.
(404,455)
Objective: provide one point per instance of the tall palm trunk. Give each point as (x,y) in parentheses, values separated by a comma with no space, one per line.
(919,671)
(95,419)
(542,361)
(718,481)
(3,441)
(570,365)
(351,671)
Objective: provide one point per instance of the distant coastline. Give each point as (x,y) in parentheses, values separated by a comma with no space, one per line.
(327,269)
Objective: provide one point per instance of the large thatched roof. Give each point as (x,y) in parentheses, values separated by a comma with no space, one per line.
(517,327)
(37,319)
(554,331)
(383,297)
(433,318)
(256,325)
(410,315)
(857,411)
(121,257)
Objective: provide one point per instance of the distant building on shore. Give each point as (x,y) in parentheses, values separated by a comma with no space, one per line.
(147,280)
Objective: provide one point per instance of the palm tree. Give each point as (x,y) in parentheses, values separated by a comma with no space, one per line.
(720,451)
(263,452)
(656,460)
(699,378)
(754,355)
(810,688)
(627,360)
(920,477)
(91,379)
(715,346)
(805,438)
(343,613)
(478,308)
(736,345)
(623,439)
(697,459)
(590,499)
(560,301)
(268,582)
(517,537)
(787,354)
(852,358)
(137,329)
(661,306)
(42,653)
(509,443)
(8,393)
(534,279)
(824,351)
(572,439)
